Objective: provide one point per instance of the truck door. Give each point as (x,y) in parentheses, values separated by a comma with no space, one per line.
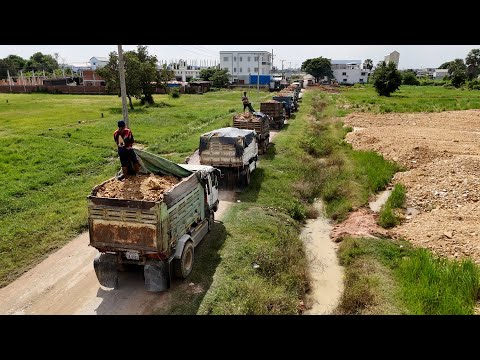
(213,182)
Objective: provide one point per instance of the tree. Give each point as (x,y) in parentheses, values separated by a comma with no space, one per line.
(220,78)
(386,78)
(164,75)
(41,62)
(368,64)
(445,65)
(473,63)
(206,74)
(409,77)
(457,72)
(140,72)
(318,68)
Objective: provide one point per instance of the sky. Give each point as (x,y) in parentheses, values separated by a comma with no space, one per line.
(411,56)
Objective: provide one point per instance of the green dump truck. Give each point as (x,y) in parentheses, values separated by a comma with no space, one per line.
(159,235)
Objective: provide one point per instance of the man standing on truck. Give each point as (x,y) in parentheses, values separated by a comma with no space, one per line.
(246,103)
(124,139)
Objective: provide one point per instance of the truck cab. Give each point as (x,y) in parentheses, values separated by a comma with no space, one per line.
(211,176)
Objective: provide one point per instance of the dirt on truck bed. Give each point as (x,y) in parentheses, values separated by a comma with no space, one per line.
(441,152)
(141,187)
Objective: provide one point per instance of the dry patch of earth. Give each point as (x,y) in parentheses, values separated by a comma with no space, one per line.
(441,155)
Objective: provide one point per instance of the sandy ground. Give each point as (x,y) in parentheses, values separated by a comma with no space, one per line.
(65,283)
(441,152)
(325,271)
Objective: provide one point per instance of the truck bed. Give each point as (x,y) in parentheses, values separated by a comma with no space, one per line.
(146,226)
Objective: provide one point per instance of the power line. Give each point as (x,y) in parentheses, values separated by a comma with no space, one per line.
(196,52)
(207,51)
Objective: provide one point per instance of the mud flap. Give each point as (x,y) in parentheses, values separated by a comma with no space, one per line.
(105,266)
(157,275)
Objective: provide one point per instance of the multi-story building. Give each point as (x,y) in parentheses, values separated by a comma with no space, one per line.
(184,72)
(242,65)
(393,56)
(349,71)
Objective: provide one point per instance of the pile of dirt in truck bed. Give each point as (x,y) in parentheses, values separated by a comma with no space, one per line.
(245,117)
(270,101)
(141,187)
(441,153)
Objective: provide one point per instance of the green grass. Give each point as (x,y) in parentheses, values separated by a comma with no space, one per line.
(345,178)
(57,147)
(409,99)
(389,215)
(263,268)
(385,276)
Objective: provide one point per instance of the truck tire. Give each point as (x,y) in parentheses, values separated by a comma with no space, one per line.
(105,266)
(211,221)
(247,176)
(265,146)
(183,267)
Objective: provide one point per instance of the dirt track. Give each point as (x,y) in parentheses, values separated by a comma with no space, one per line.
(65,283)
(442,154)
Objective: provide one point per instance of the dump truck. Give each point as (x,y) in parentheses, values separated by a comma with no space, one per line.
(287,100)
(158,232)
(233,151)
(257,121)
(274,109)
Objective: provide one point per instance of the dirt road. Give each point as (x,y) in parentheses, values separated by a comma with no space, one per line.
(65,283)
(441,152)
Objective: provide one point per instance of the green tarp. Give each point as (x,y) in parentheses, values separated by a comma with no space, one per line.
(157,165)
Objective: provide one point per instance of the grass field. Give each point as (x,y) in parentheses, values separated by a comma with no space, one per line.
(386,276)
(408,99)
(57,147)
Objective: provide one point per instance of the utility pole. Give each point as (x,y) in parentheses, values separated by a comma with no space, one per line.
(258,73)
(9,80)
(282,68)
(123,90)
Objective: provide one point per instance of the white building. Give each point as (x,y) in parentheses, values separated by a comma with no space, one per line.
(76,67)
(98,62)
(349,71)
(393,56)
(184,72)
(241,64)
(439,74)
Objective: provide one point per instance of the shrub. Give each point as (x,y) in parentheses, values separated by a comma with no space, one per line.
(175,93)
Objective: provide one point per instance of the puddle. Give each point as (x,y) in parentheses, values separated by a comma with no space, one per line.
(325,272)
(381,199)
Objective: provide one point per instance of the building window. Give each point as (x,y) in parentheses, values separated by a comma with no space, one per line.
(361,80)
(240,69)
(344,73)
(344,80)
(248,70)
(226,69)
(225,58)
(234,58)
(249,58)
(234,69)
(363,74)
(241,59)
(255,58)
(255,69)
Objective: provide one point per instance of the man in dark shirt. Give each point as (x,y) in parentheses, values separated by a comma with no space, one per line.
(246,103)
(124,139)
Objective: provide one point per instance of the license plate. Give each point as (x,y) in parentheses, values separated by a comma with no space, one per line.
(132,255)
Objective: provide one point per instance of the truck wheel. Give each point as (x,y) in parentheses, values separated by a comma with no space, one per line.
(247,176)
(183,266)
(211,221)
(265,146)
(105,266)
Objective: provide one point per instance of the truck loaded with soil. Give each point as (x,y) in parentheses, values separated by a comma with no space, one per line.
(154,219)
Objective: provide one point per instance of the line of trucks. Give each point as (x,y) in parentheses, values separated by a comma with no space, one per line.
(161,235)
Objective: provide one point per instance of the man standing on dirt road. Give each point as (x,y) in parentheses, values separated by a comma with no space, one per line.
(124,139)
(246,103)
